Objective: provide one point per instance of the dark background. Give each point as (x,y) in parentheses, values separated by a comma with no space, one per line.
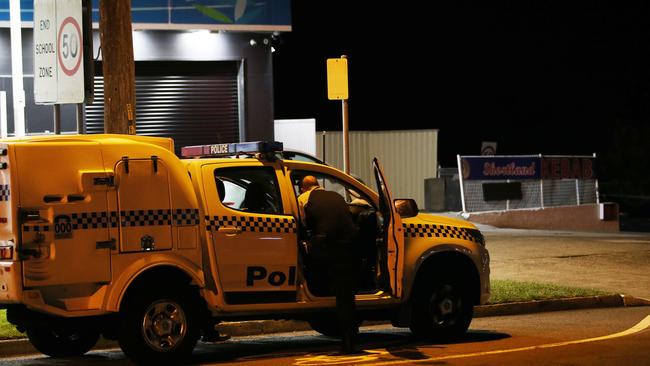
(536,77)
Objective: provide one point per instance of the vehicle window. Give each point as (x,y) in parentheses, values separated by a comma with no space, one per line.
(249,189)
(298,156)
(351,195)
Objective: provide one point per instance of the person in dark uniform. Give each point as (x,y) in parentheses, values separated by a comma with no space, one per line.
(326,215)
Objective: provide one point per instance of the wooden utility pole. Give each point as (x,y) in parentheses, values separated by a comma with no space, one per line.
(118,66)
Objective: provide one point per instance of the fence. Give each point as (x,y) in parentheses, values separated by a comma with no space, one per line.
(497,183)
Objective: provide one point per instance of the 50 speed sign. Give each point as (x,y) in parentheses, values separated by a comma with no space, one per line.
(58,52)
(69,46)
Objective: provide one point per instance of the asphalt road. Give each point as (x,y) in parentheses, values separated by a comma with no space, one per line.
(571,337)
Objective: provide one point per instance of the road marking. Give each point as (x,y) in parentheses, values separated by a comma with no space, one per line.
(372,355)
(641,241)
(642,325)
(328,359)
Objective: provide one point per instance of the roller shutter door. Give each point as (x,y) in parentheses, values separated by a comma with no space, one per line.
(192,102)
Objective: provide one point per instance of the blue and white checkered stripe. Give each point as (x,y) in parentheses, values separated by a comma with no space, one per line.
(131,218)
(441,231)
(4,192)
(36,228)
(177,217)
(93,220)
(185,217)
(253,223)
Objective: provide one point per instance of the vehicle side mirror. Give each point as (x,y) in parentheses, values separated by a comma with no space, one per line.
(406,207)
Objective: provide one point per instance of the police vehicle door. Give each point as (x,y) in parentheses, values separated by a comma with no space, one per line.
(253,233)
(144,207)
(393,233)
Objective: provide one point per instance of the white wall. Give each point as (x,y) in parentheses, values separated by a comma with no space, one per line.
(297,134)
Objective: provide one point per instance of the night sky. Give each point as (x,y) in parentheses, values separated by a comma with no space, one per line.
(536,77)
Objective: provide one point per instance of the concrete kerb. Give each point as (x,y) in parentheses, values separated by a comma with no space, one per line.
(577,303)
(19,347)
(22,347)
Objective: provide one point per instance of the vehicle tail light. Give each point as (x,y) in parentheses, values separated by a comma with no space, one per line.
(6,252)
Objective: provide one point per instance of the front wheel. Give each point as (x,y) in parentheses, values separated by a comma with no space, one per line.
(159,326)
(442,310)
(63,342)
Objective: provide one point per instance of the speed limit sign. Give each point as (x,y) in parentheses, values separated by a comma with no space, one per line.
(69,46)
(58,52)
(69,49)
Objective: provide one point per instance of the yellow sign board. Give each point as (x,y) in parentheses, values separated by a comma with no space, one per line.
(337,78)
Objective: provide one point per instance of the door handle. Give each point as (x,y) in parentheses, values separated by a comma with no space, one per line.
(106,244)
(230,230)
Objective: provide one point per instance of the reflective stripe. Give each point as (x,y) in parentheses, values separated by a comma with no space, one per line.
(104,219)
(36,228)
(4,192)
(438,231)
(179,217)
(93,220)
(253,223)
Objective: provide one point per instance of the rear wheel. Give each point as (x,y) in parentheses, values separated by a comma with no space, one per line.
(63,342)
(159,326)
(442,308)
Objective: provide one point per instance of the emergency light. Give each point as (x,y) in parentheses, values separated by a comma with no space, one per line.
(236,148)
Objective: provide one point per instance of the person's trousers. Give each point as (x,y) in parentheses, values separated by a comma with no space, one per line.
(344,275)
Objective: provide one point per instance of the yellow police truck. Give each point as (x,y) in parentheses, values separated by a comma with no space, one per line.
(114,235)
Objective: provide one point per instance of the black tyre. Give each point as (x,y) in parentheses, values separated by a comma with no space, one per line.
(63,342)
(327,326)
(159,325)
(442,308)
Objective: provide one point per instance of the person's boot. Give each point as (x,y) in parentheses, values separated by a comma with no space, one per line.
(349,342)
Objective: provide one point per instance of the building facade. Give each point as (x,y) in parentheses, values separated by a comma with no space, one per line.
(200,78)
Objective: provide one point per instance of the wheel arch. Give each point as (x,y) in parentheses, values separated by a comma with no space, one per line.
(160,271)
(448,258)
(161,274)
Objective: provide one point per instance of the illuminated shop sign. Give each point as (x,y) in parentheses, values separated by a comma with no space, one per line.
(524,168)
(260,15)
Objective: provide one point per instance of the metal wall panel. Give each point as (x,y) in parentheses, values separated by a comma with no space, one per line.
(407,157)
(198,105)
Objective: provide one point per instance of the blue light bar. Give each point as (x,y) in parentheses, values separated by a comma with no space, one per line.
(231,149)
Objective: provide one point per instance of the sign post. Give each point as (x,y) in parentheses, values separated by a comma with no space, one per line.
(17,68)
(337,88)
(3,114)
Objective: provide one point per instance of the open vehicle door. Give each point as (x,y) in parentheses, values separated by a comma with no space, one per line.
(392,232)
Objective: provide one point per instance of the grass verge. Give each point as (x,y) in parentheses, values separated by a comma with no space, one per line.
(504,291)
(7,330)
